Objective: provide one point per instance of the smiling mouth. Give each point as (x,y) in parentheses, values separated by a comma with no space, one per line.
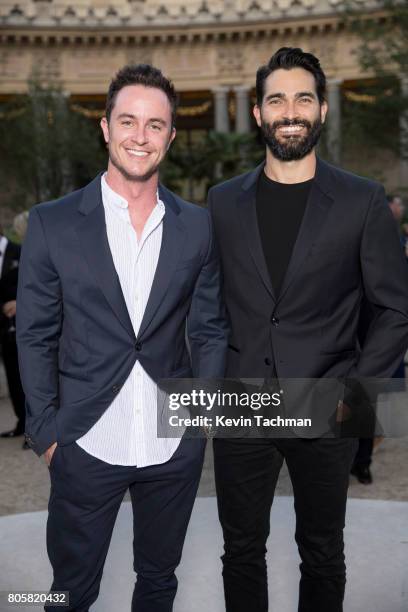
(290,130)
(137,153)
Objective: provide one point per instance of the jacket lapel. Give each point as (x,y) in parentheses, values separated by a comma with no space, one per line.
(318,205)
(95,247)
(246,203)
(170,252)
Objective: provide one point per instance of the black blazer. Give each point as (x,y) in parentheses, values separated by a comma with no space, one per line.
(75,338)
(8,280)
(347,249)
(11,258)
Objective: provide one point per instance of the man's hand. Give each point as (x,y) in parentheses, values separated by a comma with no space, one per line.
(49,453)
(9,309)
(343,412)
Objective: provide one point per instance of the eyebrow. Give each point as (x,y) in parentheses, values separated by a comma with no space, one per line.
(152,119)
(282,96)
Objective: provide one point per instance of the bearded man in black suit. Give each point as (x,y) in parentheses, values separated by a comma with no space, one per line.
(302,244)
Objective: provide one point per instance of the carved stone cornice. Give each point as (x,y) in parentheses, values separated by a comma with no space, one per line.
(146,14)
(218,32)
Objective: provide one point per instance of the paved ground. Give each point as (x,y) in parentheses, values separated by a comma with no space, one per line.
(372,586)
(24,483)
(377,559)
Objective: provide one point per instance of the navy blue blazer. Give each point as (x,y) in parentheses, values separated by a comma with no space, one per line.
(76,342)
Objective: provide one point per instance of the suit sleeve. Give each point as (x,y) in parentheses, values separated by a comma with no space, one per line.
(207,325)
(385,280)
(39,320)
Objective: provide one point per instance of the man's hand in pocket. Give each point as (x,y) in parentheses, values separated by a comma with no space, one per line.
(49,453)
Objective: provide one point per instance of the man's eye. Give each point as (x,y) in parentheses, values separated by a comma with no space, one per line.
(305,100)
(126,122)
(156,127)
(275,101)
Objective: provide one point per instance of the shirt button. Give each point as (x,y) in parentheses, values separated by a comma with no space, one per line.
(268,362)
(275,321)
(116,388)
(138,346)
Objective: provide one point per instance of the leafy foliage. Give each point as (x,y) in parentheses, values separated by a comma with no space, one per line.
(372,119)
(215,158)
(46,149)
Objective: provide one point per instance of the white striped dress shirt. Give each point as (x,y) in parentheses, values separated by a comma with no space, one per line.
(126,433)
(3,247)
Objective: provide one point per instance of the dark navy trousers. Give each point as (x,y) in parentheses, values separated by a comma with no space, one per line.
(86,494)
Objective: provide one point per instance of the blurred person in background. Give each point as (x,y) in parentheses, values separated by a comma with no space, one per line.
(361,468)
(398,210)
(397,207)
(9,264)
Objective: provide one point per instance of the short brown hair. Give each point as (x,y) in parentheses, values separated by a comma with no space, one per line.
(141,74)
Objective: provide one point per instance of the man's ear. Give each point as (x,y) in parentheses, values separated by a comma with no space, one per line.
(323,111)
(105,129)
(172,137)
(257,114)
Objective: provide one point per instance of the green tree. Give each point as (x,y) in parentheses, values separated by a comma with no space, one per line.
(215,158)
(46,149)
(374,117)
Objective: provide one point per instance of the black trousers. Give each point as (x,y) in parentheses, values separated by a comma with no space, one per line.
(86,494)
(10,360)
(246,472)
(365,452)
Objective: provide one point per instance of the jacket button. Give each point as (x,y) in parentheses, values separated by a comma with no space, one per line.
(138,346)
(275,321)
(268,361)
(116,388)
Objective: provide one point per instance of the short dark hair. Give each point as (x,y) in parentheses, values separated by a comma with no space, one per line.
(288,58)
(141,74)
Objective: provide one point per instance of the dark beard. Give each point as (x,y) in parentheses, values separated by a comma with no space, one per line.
(294,148)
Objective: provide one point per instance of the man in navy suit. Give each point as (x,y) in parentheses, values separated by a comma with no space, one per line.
(111,278)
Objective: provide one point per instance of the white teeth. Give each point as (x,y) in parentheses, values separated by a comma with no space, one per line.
(292,128)
(137,153)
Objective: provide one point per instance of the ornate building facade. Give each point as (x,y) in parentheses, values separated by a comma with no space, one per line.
(210,48)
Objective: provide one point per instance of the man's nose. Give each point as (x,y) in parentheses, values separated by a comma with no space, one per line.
(139,135)
(290,110)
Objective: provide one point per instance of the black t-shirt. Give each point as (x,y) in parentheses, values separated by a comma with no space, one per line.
(280,208)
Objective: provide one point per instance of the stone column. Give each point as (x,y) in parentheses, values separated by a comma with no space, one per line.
(334,119)
(221,109)
(403,122)
(242,121)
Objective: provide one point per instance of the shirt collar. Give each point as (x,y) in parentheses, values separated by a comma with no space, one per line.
(117,202)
